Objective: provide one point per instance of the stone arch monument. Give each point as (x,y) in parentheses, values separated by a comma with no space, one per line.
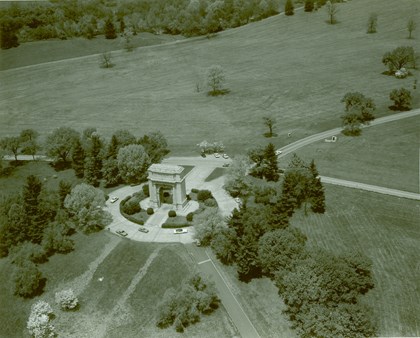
(167,186)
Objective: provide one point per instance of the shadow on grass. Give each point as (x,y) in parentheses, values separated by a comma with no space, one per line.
(60,166)
(396,108)
(218,92)
(268,135)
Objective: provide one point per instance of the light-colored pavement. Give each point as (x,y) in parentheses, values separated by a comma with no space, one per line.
(369,187)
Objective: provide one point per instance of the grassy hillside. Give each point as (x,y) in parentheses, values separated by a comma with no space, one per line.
(386,229)
(386,155)
(123,303)
(296,68)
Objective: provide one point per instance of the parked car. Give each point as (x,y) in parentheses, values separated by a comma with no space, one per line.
(225,156)
(143,229)
(121,232)
(278,152)
(197,242)
(225,165)
(113,199)
(203,155)
(180,231)
(217,155)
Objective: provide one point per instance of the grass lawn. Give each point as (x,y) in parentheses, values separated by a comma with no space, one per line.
(386,229)
(295,68)
(49,177)
(135,277)
(386,155)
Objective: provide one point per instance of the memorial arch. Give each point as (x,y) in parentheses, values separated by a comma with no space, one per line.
(167,186)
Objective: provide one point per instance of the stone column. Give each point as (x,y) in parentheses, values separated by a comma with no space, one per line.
(154,196)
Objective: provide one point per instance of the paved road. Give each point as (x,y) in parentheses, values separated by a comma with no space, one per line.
(369,187)
(207,266)
(290,148)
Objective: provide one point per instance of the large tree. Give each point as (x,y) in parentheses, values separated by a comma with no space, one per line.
(60,143)
(271,169)
(156,146)
(207,224)
(236,182)
(133,163)
(11,145)
(93,161)
(85,205)
(400,57)
(30,145)
(363,106)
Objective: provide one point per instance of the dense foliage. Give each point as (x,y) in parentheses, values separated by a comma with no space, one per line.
(359,110)
(73,18)
(402,99)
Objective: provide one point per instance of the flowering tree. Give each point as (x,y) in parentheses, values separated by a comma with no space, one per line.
(66,299)
(39,322)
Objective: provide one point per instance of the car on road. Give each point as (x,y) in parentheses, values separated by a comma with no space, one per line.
(217,155)
(143,229)
(197,242)
(121,233)
(278,152)
(113,199)
(180,231)
(225,156)
(225,165)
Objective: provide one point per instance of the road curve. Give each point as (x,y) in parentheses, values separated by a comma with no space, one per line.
(369,187)
(290,148)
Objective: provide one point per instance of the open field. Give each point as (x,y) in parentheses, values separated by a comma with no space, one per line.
(386,155)
(135,277)
(385,229)
(272,67)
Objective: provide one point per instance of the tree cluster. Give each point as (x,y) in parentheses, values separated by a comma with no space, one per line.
(67,19)
(358,110)
(264,163)
(185,305)
(26,143)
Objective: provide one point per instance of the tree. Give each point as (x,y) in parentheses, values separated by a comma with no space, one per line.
(31,203)
(357,103)
(236,182)
(93,161)
(317,194)
(109,29)
(269,122)
(28,280)
(216,80)
(223,245)
(29,142)
(411,26)
(105,60)
(85,204)
(66,299)
(39,321)
(123,138)
(289,8)
(8,32)
(271,169)
(332,9)
(11,145)
(309,5)
(27,251)
(372,23)
(60,143)
(133,163)
(56,238)
(110,172)
(402,99)
(156,146)
(400,57)
(351,124)
(207,224)
(279,250)
(78,158)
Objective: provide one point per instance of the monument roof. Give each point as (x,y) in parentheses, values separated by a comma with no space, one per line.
(165,168)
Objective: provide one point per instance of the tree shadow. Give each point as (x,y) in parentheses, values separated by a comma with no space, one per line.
(218,92)
(269,135)
(60,165)
(396,108)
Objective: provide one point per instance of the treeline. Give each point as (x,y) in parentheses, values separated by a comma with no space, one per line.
(122,159)
(321,289)
(73,18)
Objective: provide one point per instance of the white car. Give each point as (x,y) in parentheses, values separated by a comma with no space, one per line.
(180,231)
(278,152)
(225,156)
(217,155)
(113,199)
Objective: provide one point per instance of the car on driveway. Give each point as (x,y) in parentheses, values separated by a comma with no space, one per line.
(217,155)
(180,231)
(225,165)
(143,229)
(121,233)
(113,199)
(225,156)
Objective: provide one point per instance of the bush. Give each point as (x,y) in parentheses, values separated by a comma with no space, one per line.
(190,217)
(309,5)
(210,202)
(38,324)
(131,207)
(289,8)
(204,195)
(194,190)
(150,211)
(172,213)
(402,99)
(28,280)
(135,219)
(146,191)
(170,225)
(66,299)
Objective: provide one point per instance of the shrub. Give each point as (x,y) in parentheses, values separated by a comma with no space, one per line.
(204,194)
(131,207)
(66,299)
(289,8)
(146,191)
(190,217)
(210,202)
(194,190)
(28,279)
(38,324)
(309,5)
(150,211)
(172,213)
(170,225)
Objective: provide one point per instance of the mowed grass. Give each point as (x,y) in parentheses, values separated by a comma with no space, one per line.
(294,68)
(47,175)
(386,229)
(111,304)
(385,155)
